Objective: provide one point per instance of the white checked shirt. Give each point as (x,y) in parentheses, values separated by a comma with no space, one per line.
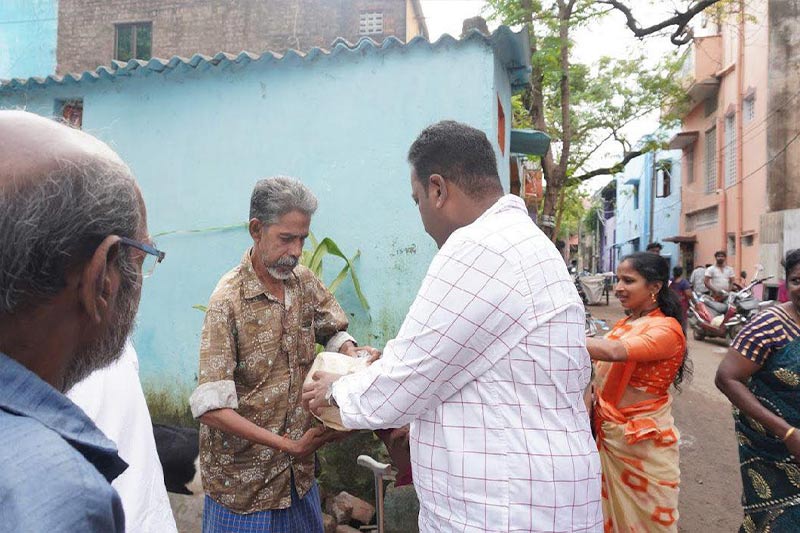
(489,367)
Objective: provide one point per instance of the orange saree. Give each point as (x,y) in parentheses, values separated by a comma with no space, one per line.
(638,443)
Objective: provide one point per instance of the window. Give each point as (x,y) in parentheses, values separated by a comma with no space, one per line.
(370,23)
(711,160)
(635,197)
(134,41)
(730,150)
(702,219)
(70,112)
(748,240)
(689,167)
(749,109)
(664,178)
(731,245)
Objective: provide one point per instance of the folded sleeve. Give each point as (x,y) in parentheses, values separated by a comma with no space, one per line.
(216,387)
(663,340)
(467,316)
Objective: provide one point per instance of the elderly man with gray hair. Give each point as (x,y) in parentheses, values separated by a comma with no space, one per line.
(257,442)
(73,240)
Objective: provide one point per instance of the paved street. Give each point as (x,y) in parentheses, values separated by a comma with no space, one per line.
(710,483)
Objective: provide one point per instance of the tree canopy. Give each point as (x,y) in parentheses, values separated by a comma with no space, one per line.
(585,108)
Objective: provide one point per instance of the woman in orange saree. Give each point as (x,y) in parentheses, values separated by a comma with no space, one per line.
(635,365)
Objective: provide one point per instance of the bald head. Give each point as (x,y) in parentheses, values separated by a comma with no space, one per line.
(32,146)
(61,193)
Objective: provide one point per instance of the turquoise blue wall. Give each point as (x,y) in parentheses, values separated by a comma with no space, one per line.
(197,141)
(28,36)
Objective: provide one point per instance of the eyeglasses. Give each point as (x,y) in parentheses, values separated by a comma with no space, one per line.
(153,257)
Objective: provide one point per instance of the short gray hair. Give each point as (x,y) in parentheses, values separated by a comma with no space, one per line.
(50,224)
(274,197)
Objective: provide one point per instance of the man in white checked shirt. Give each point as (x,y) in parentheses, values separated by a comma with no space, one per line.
(489,366)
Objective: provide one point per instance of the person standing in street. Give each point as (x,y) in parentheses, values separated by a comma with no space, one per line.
(683,290)
(490,364)
(637,362)
(760,375)
(719,276)
(698,279)
(654,248)
(257,443)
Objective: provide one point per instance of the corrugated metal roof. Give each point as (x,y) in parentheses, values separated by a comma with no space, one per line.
(512,48)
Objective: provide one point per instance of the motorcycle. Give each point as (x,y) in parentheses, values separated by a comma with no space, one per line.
(711,318)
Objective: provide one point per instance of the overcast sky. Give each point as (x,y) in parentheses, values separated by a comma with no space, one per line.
(609,37)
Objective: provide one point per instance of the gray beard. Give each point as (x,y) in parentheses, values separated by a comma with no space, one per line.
(275,273)
(282,262)
(108,347)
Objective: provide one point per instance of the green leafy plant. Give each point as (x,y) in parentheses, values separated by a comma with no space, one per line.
(312,259)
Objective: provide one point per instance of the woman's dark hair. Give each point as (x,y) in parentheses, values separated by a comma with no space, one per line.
(654,268)
(791,260)
(677,271)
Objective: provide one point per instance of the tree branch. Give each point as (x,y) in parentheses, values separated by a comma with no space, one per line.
(614,169)
(682,33)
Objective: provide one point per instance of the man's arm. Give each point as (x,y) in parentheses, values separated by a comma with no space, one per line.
(230,421)
(215,401)
(461,323)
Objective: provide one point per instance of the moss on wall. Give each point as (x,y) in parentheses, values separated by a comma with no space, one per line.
(169,406)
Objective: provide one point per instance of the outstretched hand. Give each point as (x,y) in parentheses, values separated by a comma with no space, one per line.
(311,441)
(314,392)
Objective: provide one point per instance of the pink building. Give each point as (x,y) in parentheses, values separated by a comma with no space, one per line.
(724,146)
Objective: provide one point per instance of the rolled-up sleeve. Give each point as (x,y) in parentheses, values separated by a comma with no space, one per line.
(466,316)
(216,388)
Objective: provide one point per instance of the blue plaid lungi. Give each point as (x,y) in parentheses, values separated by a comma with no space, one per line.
(303,516)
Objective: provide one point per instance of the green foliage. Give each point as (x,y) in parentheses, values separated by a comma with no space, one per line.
(312,258)
(572,211)
(592,217)
(588,122)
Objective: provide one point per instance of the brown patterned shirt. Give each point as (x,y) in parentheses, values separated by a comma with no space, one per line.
(255,352)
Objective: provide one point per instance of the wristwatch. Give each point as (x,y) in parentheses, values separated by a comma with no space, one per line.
(329,396)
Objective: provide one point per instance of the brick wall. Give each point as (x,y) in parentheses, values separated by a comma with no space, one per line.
(185,27)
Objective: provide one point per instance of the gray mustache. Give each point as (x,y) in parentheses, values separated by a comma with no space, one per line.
(286,261)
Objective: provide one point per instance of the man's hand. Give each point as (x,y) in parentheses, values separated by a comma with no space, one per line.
(349,348)
(311,441)
(314,392)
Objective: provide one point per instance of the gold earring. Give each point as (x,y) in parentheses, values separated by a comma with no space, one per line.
(653,297)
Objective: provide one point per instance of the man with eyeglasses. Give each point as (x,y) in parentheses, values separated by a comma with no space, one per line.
(73,237)
(257,442)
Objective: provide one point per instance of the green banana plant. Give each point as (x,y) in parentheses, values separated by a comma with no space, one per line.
(312,259)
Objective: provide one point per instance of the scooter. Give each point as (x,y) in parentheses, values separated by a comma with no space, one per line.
(710,318)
